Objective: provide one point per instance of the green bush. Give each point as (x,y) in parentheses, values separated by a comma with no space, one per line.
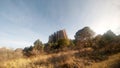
(63,42)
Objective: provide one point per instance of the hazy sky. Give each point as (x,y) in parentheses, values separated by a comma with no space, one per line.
(24,21)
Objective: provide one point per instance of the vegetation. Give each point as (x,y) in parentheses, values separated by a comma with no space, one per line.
(34,50)
(84,34)
(85,51)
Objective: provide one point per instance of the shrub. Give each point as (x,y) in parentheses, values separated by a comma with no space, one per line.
(63,42)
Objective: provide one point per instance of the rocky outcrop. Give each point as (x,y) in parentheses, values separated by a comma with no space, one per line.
(61,34)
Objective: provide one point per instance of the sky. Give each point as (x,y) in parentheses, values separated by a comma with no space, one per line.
(24,21)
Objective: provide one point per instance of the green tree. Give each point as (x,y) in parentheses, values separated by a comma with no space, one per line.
(109,36)
(96,41)
(84,34)
(38,45)
(63,42)
(37,48)
(83,37)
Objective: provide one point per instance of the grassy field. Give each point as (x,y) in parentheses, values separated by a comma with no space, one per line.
(112,62)
(61,60)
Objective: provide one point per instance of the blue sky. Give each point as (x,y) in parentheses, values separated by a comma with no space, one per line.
(24,21)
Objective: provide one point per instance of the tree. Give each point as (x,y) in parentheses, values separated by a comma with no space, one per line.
(38,45)
(96,41)
(109,36)
(83,37)
(27,51)
(107,43)
(84,34)
(34,50)
(63,42)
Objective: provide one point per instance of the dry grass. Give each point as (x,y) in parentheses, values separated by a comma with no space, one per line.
(112,62)
(25,62)
(60,60)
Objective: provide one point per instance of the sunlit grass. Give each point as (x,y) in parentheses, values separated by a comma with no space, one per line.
(60,59)
(107,63)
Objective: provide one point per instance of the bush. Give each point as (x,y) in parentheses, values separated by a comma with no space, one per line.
(63,42)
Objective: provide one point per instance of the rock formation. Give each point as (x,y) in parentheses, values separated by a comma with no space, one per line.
(61,34)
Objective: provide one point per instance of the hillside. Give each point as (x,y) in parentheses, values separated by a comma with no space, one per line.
(85,51)
(62,60)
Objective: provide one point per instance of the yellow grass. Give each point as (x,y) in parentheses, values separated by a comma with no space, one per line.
(25,62)
(30,62)
(107,63)
(49,61)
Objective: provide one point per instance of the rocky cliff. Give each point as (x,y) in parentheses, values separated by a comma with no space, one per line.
(61,34)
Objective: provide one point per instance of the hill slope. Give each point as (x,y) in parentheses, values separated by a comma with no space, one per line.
(62,60)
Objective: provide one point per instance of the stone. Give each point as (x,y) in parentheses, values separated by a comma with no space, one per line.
(61,34)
